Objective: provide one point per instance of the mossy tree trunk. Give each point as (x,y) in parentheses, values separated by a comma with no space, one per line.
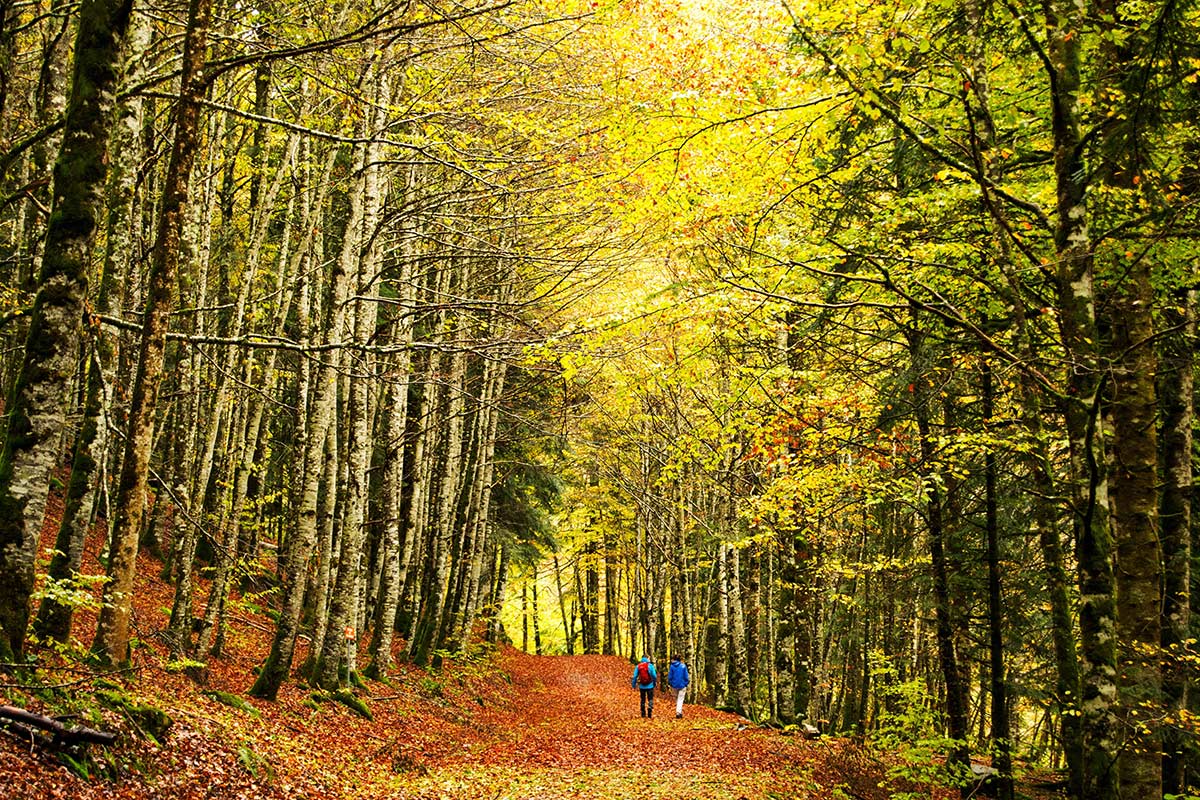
(35,408)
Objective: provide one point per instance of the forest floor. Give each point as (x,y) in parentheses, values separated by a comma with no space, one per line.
(510,725)
(500,725)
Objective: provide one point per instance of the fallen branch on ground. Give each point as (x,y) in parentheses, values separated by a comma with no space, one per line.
(29,725)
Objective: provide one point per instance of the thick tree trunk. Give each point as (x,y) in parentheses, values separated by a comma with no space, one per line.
(35,408)
(91,442)
(1135,521)
(1132,404)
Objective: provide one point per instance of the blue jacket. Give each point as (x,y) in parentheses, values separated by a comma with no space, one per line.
(653,677)
(677,675)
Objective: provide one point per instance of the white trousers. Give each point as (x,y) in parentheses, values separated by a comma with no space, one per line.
(679,693)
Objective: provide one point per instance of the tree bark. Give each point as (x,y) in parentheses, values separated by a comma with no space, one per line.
(957,723)
(1074,284)
(35,410)
(357,262)
(1001,734)
(111,644)
(1177,402)
(1135,522)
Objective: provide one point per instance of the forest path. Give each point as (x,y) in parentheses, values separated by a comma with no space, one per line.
(571,728)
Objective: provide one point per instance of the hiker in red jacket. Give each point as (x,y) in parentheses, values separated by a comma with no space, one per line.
(645,678)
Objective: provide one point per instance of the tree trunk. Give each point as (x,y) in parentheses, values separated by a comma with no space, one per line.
(298,549)
(1088,479)
(1135,522)
(322,576)
(568,627)
(35,411)
(495,629)
(956,693)
(393,487)
(1177,402)
(720,661)
(91,442)
(1132,405)
(737,633)
(1000,731)
(358,264)
(590,598)
(495,371)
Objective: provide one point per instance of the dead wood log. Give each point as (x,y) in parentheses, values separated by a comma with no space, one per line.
(27,722)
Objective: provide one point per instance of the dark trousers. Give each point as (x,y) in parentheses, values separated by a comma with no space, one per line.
(647,698)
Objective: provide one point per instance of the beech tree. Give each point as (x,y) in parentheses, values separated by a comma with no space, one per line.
(845,351)
(35,408)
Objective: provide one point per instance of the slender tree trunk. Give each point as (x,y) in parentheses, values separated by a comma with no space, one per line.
(1000,731)
(957,723)
(721,655)
(298,549)
(568,629)
(494,377)
(417,539)
(501,588)
(537,626)
(325,530)
(590,599)
(1177,403)
(425,637)
(390,583)
(525,617)
(358,265)
(737,632)
(1089,481)
(787,615)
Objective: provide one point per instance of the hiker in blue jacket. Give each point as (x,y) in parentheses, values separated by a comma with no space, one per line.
(678,679)
(645,678)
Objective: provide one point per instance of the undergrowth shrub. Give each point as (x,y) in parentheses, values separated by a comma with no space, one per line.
(909,732)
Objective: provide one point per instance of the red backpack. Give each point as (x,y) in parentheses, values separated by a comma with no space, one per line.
(643,672)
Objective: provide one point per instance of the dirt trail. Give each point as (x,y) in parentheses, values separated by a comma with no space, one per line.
(572,728)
